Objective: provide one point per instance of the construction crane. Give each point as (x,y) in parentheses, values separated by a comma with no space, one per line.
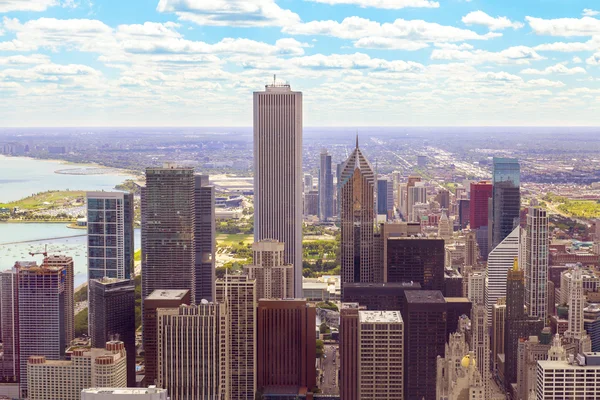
(44,253)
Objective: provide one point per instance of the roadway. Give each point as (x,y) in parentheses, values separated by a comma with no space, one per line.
(328,382)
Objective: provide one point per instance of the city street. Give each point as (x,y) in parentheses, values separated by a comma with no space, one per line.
(329,382)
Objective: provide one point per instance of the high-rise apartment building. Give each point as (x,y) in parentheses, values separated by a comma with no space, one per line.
(111,315)
(518,324)
(506,198)
(424,316)
(417,194)
(193,351)
(326,189)
(476,287)
(67,263)
(349,351)
(380,355)
(41,307)
(168,225)
(110,235)
(96,367)
(274,278)
(287,366)
(500,260)
(205,240)
(157,299)
(278,172)
(416,260)
(536,262)
(238,292)
(357,219)
(150,393)
(9,326)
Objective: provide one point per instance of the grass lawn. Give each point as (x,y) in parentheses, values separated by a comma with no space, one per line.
(581,208)
(229,239)
(137,256)
(54,198)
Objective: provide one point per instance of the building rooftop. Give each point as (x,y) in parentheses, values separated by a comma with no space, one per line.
(457,300)
(424,296)
(379,316)
(415,285)
(115,391)
(163,294)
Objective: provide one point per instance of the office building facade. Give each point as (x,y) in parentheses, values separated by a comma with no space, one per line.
(150,393)
(274,278)
(536,262)
(378,296)
(238,292)
(349,350)
(278,172)
(110,315)
(110,237)
(506,198)
(66,262)
(326,189)
(205,242)
(9,326)
(416,260)
(357,219)
(380,355)
(478,207)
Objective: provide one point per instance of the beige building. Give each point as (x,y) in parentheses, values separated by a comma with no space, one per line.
(529,352)
(574,378)
(64,380)
(278,172)
(480,344)
(380,355)
(498,321)
(274,278)
(192,351)
(150,393)
(239,294)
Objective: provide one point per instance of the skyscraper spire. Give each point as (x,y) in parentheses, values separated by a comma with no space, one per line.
(357,139)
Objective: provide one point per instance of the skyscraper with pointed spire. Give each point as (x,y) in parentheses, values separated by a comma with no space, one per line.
(356,204)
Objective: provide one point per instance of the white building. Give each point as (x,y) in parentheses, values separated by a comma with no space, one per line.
(536,262)
(380,355)
(416,194)
(151,393)
(274,278)
(574,378)
(476,287)
(500,260)
(278,172)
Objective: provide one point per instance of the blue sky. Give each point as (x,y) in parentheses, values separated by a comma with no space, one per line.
(358,62)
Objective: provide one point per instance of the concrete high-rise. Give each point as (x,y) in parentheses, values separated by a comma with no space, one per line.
(111,315)
(41,308)
(349,351)
(506,198)
(157,299)
(150,393)
(193,351)
(518,325)
(96,367)
(357,215)
(9,326)
(480,343)
(168,226)
(67,263)
(238,292)
(576,333)
(536,262)
(110,235)
(380,355)
(204,239)
(416,194)
(274,278)
(424,316)
(278,172)
(286,349)
(326,189)
(500,261)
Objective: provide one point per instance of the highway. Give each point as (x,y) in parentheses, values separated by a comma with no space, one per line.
(330,366)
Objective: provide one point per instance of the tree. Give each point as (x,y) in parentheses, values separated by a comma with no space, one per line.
(320,348)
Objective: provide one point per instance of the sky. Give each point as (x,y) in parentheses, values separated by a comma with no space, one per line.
(357,62)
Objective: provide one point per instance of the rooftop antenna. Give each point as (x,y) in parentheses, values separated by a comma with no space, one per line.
(357,139)
(274,79)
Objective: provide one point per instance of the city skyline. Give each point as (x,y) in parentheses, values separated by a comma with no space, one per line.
(185,63)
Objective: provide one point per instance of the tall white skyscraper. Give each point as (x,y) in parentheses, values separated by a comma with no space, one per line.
(278,172)
(481,343)
(416,194)
(536,262)
(500,260)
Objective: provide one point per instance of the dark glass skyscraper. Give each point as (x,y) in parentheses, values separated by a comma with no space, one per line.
(416,260)
(110,235)
(204,239)
(382,190)
(111,313)
(325,187)
(506,198)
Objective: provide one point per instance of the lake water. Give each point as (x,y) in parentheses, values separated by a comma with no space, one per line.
(38,235)
(21,177)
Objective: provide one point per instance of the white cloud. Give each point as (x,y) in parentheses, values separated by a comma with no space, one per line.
(354,61)
(362,28)
(389,44)
(587,12)
(577,60)
(512,55)
(493,24)
(555,69)
(454,46)
(26,5)
(545,83)
(386,4)
(238,13)
(567,27)
(594,59)
(567,47)
(24,60)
